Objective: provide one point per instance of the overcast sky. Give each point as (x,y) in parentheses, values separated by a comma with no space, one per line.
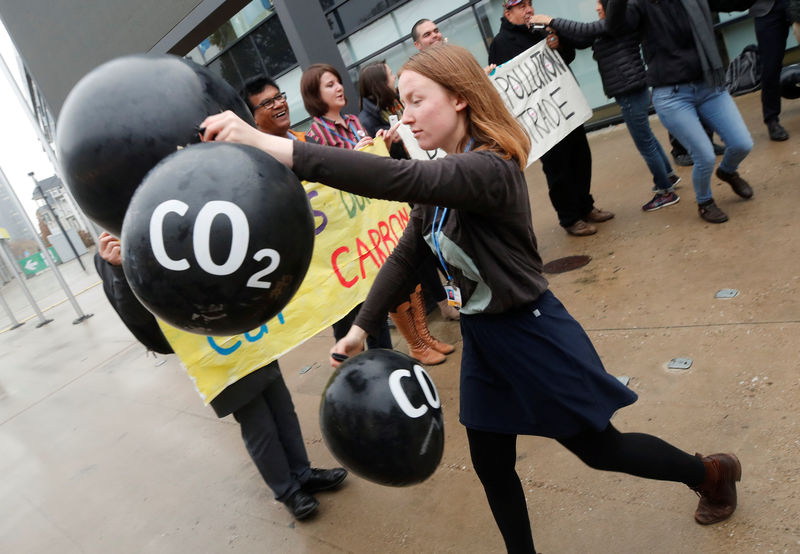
(20,150)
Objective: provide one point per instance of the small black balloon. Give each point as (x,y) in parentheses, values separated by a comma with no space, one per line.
(125,116)
(381,417)
(217,239)
(790,81)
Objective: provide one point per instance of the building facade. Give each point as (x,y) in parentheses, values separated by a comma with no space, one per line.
(254,41)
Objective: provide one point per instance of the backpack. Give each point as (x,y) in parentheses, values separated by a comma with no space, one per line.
(744,72)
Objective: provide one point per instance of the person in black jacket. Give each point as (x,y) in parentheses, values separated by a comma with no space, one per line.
(685,69)
(568,165)
(772,21)
(259,401)
(619,60)
(378,102)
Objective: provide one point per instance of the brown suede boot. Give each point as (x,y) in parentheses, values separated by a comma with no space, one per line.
(718,492)
(417,348)
(421,323)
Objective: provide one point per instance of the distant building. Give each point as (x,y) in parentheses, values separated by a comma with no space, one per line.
(53,189)
(11,218)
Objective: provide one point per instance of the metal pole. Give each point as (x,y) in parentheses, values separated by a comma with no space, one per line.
(7,257)
(58,221)
(45,252)
(14,322)
(90,227)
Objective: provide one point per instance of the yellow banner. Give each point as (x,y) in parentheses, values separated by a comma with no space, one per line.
(354,236)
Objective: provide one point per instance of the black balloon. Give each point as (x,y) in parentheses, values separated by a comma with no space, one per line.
(790,81)
(217,239)
(381,417)
(125,116)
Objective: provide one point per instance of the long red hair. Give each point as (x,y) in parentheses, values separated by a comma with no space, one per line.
(489,122)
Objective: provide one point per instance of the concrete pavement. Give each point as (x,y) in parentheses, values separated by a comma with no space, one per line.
(105,449)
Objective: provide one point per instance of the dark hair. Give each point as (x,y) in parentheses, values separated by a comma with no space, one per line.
(255,85)
(309,88)
(604,3)
(372,85)
(414,33)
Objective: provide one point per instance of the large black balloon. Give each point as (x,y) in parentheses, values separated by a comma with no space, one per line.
(790,81)
(124,117)
(217,239)
(381,417)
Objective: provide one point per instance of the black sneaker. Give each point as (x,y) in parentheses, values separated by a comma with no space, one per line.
(711,213)
(661,201)
(739,185)
(719,150)
(777,132)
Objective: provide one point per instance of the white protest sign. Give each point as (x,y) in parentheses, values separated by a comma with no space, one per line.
(413,148)
(543,96)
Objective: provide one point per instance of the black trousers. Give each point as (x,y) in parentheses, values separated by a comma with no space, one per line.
(271,433)
(341,327)
(772,31)
(494,456)
(568,169)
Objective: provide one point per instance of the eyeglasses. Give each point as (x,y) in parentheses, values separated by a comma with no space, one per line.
(269,102)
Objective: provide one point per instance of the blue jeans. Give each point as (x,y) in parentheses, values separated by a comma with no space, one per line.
(683,109)
(635,111)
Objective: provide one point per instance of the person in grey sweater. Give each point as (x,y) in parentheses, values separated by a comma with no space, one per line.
(619,60)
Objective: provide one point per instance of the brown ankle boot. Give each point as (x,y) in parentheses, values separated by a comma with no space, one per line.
(421,322)
(417,348)
(718,492)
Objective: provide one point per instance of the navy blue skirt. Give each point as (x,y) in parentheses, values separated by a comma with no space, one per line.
(534,371)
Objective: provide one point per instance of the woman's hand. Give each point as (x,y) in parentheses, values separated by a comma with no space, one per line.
(110,249)
(390,135)
(364,142)
(229,127)
(349,345)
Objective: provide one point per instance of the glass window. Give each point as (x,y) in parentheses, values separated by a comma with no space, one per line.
(391,27)
(225,67)
(273,46)
(251,15)
(290,84)
(462,30)
(354,13)
(238,26)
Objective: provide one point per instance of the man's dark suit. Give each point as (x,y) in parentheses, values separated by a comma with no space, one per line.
(772,24)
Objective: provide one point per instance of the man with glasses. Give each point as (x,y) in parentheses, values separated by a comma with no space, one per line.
(269,107)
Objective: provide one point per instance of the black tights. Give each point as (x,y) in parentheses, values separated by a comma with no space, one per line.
(494,456)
